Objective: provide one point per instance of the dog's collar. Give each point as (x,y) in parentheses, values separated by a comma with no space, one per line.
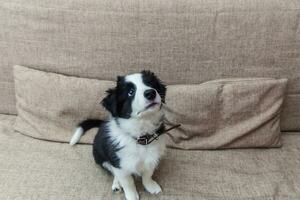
(149,138)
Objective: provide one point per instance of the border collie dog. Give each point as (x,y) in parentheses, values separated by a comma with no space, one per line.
(135,107)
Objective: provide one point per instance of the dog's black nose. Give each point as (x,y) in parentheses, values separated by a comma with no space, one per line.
(150,94)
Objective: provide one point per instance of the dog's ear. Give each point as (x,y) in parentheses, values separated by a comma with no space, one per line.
(162,90)
(119,79)
(110,102)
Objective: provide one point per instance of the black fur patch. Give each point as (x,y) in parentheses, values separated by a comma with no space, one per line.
(152,81)
(104,148)
(89,124)
(117,101)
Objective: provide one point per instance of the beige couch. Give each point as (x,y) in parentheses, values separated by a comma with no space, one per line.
(196,40)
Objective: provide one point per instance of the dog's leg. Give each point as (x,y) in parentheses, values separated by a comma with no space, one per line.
(116,187)
(127,183)
(149,184)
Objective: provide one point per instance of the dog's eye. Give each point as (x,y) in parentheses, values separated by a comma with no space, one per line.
(130,92)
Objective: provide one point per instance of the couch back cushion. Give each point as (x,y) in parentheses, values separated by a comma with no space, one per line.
(228,113)
(185,42)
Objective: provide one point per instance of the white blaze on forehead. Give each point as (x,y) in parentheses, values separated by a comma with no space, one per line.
(136,79)
(140,86)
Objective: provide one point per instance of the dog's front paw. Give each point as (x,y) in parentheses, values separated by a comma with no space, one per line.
(132,196)
(116,187)
(152,187)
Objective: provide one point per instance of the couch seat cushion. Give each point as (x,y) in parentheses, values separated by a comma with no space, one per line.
(34,169)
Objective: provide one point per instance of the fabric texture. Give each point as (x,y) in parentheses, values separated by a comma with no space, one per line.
(229,113)
(34,169)
(51,105)
(184,42)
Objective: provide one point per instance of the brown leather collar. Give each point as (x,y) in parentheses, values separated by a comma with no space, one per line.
(148,138)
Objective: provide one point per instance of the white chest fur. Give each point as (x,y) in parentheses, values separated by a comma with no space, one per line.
(136,158)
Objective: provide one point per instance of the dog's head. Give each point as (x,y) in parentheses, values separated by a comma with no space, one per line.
(135,95)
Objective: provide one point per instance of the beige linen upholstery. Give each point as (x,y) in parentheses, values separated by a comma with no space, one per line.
(51,105)
(34,169)
(184,42)
(228,113)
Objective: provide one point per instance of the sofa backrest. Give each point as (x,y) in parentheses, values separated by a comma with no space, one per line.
(182,41)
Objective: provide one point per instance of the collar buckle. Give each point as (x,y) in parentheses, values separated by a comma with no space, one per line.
(147,138)
(143,140)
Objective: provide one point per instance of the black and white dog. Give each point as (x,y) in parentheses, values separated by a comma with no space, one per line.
(122,145)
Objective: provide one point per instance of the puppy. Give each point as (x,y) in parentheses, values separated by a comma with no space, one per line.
(129,142)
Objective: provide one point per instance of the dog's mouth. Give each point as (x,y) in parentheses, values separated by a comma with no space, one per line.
(150,106)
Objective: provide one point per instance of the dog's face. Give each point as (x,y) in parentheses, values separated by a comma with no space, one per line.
(135,95)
